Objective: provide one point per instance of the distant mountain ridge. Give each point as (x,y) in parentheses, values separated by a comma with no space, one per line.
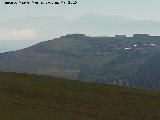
(90,24)
(47,27)
(125,61)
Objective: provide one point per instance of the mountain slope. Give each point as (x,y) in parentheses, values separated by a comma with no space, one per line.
(96,59)
(28,97)
(139,72)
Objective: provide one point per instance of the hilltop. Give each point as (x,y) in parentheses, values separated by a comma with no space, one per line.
(120,60)
(28,97)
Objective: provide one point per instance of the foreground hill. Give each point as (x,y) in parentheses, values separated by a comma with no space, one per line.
(127,61)
(32,97)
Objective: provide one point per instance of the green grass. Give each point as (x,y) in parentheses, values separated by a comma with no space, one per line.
(33,97)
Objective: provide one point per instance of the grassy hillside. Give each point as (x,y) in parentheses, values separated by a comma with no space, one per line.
(32,97)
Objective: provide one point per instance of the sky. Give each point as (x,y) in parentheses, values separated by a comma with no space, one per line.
(136,9)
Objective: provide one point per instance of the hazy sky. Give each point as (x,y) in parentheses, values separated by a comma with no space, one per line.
(44,29)
(137,9)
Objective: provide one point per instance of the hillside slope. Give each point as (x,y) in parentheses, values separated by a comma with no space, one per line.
(97,59)
(32,97)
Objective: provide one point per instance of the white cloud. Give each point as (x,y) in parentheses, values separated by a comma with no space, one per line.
(18,34)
